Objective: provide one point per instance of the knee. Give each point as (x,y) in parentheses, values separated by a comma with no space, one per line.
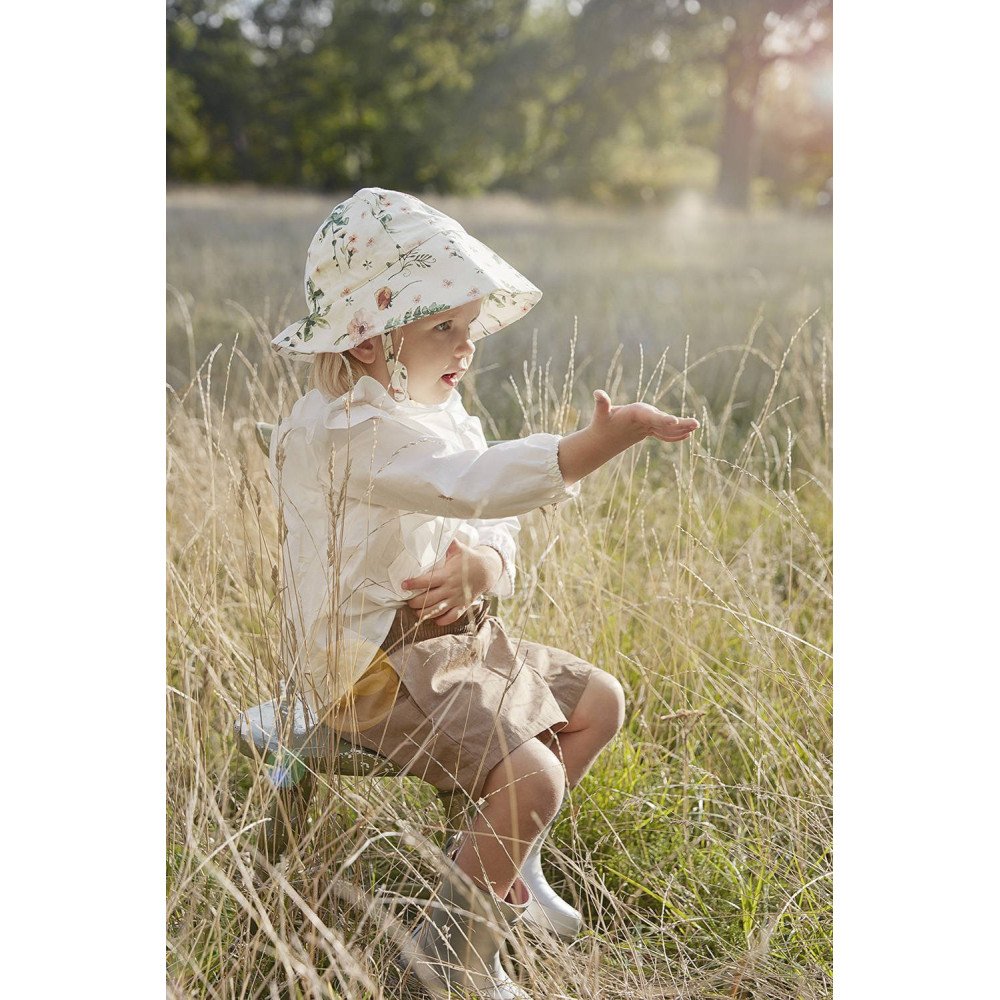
(536,778)
(608,704)
(542,775)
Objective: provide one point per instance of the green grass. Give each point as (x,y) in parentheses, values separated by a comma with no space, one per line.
(699,845)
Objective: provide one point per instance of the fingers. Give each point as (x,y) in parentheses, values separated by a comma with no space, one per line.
(427,599)
(443,614)
(670,428)
(451,617)
(433,611)
(684,426)
(449,597)
(432,577)
(658,419)
(674,435)
(656,423)
(426,581)
(438,601)
(602,404)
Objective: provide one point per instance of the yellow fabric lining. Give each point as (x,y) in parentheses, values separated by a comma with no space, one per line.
(369,701)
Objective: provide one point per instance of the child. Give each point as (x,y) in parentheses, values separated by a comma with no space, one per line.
(397,520)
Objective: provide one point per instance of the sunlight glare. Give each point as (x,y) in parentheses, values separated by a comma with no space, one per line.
(687,213)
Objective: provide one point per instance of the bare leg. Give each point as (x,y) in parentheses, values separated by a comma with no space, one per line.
(522,794)
(596,719)
(577,749)
(525,789)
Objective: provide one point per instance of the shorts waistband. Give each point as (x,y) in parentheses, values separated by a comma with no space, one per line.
(406,626)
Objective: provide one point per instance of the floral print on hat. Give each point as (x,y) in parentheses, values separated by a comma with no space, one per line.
(382,259)
(361,327)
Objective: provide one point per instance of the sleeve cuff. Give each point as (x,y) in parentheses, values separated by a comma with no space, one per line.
(504,586)
(560,491)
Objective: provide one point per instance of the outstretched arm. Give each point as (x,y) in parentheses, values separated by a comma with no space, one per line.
(398,467)
(612,430)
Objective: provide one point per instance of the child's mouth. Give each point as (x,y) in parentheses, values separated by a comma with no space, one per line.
(451,378)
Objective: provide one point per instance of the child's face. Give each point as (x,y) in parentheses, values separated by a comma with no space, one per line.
(436,350)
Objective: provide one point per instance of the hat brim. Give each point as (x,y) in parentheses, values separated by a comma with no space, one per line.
(446,271)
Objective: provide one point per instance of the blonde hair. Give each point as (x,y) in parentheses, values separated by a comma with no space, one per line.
(335,374)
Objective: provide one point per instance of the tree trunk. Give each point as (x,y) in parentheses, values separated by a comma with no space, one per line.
(736,143)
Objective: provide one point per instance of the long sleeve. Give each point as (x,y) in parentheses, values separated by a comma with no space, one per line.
(500,533)
(394,465)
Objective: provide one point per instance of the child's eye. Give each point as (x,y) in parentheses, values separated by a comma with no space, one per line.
(446,325)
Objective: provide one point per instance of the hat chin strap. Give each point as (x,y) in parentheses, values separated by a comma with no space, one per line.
(397,370)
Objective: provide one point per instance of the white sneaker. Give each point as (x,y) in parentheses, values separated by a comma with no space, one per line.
(457,944)
(546,909)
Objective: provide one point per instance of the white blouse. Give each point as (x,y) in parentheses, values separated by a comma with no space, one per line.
(379,489)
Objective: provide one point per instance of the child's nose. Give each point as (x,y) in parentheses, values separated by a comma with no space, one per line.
(465,348)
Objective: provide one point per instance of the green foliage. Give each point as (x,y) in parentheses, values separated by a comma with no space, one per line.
(624,101)
(187,139)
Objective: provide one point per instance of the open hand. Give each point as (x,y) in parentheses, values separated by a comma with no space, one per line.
(642,419)
(446,590)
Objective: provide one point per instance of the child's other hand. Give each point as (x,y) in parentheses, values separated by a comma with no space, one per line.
(642,419)
(453,583)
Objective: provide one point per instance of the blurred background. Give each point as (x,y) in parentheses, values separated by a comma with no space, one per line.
(661,169)
(598,100)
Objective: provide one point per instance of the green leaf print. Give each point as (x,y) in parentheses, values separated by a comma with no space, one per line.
(314,294)
(418,312)
(336,219)
(316,318)
(405,260)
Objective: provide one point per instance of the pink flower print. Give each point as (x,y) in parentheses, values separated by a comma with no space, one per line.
(473,291)
(371,241)
(383,297)
(447,282)
(416,299)
(353,238)
(361,327)
(345,291)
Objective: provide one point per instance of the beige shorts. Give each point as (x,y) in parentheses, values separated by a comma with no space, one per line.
(469,694)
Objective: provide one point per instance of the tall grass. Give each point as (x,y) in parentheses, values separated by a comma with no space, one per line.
(698,847)
(645,279)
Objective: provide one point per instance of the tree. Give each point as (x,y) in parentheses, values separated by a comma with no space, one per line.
(629,54)
(207,48)
(598,99)
(187,140)
(759,32)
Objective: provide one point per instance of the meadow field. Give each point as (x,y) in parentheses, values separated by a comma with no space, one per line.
(699,846)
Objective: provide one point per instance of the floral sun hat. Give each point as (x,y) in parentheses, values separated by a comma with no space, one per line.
(383,259)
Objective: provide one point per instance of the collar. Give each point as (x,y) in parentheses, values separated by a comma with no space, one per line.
(369,390)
